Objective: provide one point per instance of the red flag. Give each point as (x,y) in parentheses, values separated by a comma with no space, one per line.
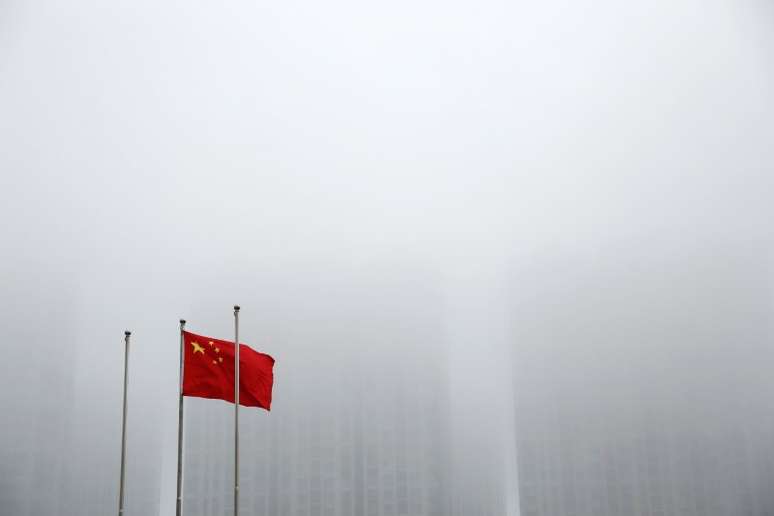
(208,371)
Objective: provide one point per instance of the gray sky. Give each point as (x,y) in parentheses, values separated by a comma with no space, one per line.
(167,160)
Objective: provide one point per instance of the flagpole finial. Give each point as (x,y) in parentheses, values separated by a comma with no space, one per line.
(182,321)
(127,333)
(236,308)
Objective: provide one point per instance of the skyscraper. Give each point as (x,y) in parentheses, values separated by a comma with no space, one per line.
(35,453)
(359,423)
(641,388)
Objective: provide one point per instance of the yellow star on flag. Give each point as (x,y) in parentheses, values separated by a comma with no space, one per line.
(197,348)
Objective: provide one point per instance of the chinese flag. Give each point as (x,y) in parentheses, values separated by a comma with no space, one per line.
(208,371)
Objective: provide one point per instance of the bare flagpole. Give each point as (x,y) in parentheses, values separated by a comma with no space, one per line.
(179,503)
(123,427)
(236,410)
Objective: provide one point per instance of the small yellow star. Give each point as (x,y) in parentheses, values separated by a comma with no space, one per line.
(214,362)
(220,359)
(197,348)
(210,343)
(217,350)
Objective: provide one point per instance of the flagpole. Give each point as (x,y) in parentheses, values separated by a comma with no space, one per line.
(236,410)
(123,426)
(179,503)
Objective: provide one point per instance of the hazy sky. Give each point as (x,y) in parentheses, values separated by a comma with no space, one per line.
(166,160)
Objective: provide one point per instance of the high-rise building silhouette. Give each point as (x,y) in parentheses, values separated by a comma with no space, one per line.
(35,455)
(640,388)
(359,423)
(61,453)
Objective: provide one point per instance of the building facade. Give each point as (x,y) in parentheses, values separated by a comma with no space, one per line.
(359,424)
(644,393)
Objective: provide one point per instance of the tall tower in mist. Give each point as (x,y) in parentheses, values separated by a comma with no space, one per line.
(484,473)
(641,388)
(360,419)
(60,455)
(35,452)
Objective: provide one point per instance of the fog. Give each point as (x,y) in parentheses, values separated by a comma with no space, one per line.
(510,258)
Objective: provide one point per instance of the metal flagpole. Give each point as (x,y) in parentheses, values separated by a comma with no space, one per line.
(236,410)
(179,503)
(123,426)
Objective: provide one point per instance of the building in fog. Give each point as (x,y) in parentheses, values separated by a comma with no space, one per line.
(61,448)
(36,452)
(644,393)
(646,471)
(359,423)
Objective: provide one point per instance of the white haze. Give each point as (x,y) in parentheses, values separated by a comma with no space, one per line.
(563,211)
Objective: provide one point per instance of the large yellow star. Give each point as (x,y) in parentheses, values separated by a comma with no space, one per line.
(197,348)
